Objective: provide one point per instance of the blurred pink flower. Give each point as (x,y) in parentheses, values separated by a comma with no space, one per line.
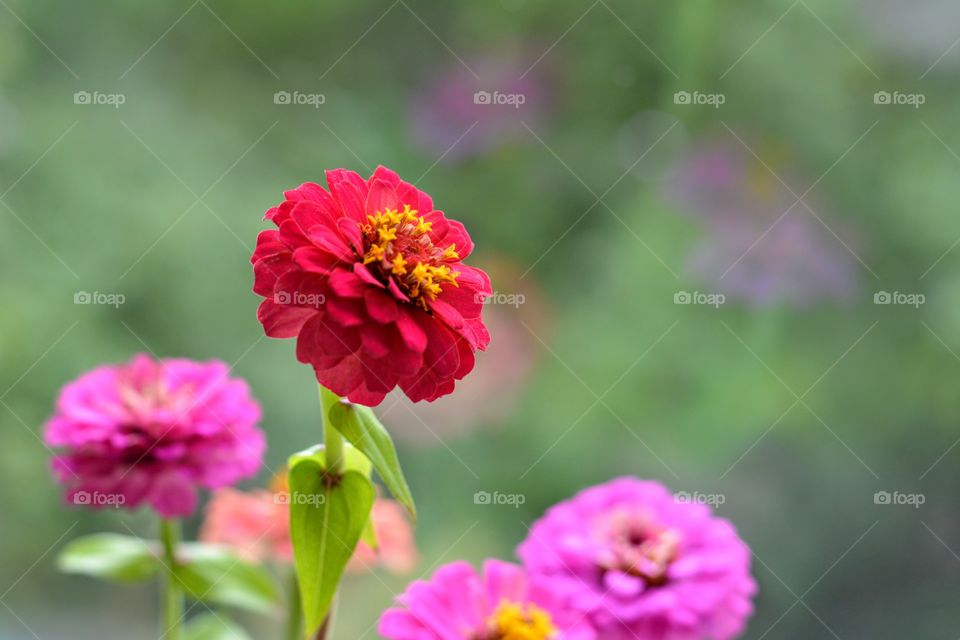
(396,550)
(154,432)
(502,603)
(465,112)
(255,524)
(642,564)
(759,244)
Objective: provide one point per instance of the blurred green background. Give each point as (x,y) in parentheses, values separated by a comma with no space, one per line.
(662,149)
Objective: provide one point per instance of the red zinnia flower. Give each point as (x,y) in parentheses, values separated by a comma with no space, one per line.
(368,277)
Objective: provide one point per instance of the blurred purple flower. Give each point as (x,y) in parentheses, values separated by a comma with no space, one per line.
(466,110)
(760,245)
(153,432)
(640,563)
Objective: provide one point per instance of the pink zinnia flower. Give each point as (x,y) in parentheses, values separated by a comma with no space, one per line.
(153,432)
(501,604)
(643,565)
(369,278)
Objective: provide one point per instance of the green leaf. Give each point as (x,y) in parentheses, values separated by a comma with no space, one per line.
(210,626)
(111,556)
(353,460)
(360,426)
(326,520)
(215,574)
(369,534)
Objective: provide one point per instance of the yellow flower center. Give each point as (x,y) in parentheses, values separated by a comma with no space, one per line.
(399,244)
(521,622)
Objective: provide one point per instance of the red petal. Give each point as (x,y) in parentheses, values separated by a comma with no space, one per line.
(267,271)
(309,214)
(319,338)
(395,290)
(347,284)
(346,311)
(291,234)
(467,359)
(441,354)
(350,190)
(387,175)
(280,213)
(476,278)
(381,307)
(364,274)
(375,340)
(456,235)
(466,300)
(378,377)
(413,336)
(282,321)
(447,313)
(315,260)
(350,230)
(308,191)
(343,378)
(381,197)
(330,240)
(268,244)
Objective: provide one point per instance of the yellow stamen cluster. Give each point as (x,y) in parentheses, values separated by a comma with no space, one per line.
(521,622)
(399,243)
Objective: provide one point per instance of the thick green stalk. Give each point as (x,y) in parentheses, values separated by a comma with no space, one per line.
(332,440)
(333,456)
(172,594)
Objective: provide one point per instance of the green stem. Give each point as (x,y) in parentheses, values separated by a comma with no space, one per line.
(172,593)
(332,440)
(294,610)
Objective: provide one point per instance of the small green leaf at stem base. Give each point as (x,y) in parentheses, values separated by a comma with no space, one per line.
(327,516)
